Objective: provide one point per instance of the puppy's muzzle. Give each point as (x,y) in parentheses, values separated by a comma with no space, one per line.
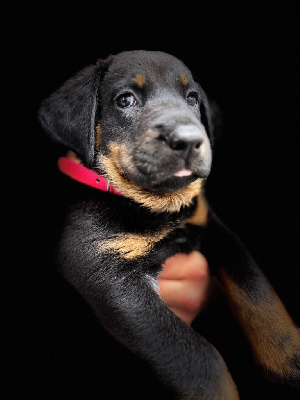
(184,140)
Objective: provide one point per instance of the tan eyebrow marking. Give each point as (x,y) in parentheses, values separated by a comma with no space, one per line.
(184,79)
(139,80)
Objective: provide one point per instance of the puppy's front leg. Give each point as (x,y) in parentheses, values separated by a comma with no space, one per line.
(129,307)
(274,338)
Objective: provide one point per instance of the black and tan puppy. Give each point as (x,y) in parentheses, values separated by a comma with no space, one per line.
(139,128)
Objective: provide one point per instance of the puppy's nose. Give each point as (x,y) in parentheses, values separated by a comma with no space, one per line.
(185,140)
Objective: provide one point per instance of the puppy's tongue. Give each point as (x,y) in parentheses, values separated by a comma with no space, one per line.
(183,172)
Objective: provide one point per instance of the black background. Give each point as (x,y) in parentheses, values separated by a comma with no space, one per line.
(243,54)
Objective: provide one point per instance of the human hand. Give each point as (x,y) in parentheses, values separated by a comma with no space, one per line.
(183,284)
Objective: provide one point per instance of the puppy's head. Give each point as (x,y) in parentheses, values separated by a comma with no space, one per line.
(139,118)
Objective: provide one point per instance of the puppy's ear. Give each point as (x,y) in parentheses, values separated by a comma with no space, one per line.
(68,115)
(210,117)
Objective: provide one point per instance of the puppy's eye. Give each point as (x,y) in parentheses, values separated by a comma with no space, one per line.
(192,99)
(126,100)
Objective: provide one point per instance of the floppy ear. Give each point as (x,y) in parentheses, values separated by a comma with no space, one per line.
(68,115)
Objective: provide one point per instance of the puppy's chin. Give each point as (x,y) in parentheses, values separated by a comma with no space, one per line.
(165,178)
(167,181)
(173,184)
(169,184)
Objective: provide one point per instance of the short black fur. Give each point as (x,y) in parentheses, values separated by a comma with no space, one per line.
(156,152)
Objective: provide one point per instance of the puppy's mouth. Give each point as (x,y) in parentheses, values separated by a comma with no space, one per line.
(166,177)
(168,159)
(166,193)
(153,171)
(183,172)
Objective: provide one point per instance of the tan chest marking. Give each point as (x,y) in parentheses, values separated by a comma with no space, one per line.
(131,246)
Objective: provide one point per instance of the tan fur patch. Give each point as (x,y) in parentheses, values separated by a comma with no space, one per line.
(199,217)
(98,136)
(228,389)
(131,245)
(73,156)
(184,79)
(167,202)
(139,80)
(274,338)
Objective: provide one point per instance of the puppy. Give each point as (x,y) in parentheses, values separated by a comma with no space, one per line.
(140,134)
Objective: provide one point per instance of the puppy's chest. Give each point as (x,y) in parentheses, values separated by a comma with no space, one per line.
(129,237)
(153,245)
(158,237)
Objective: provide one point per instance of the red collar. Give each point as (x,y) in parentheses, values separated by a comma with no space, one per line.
(85,175)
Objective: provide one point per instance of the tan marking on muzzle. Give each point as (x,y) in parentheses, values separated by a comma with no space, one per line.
(139,80)
(167,202)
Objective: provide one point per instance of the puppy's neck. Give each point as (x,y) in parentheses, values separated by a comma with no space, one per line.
(155,202)
(72,166)
(163,202)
